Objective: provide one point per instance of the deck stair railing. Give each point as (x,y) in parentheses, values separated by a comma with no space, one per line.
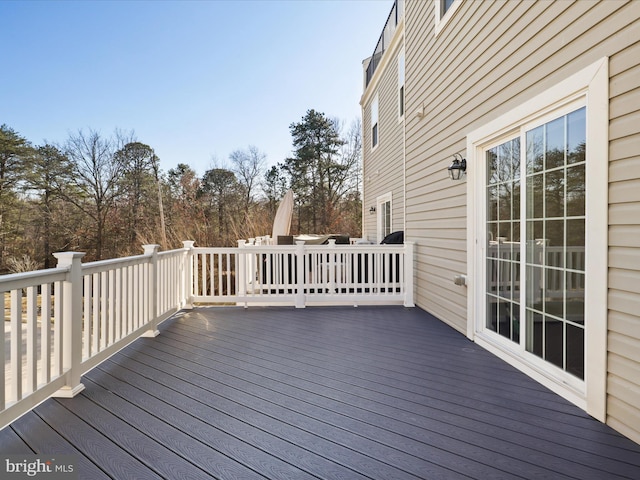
(59,323)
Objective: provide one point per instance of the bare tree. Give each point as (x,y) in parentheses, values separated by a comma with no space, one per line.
(249,166)
(96,172)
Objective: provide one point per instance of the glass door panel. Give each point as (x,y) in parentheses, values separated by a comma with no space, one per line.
(550,180)
(503,239)
(556,241)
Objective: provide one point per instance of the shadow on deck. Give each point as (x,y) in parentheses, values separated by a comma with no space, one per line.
(331,393)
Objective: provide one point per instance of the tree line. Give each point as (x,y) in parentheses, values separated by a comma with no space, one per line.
(106,195)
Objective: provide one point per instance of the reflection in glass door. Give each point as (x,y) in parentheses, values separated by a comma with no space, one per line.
(503,239)
(552,181)
(555,258)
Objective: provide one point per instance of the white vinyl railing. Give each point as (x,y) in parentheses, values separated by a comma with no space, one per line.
(301,275)
(59,323)
(65,320)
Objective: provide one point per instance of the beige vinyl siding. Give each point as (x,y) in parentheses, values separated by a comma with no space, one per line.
(384,169)
(623,381)
(490,58)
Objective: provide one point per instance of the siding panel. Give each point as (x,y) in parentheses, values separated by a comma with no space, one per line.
(624,220)
(384,165)
(511,52)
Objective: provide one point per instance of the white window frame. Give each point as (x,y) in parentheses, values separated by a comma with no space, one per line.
(375,124)
(402,106)
(380,201)
(589,87)
(441,21)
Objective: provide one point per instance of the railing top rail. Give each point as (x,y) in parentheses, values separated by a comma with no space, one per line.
(104,265)
(169,253)
(26,279)
(222,249)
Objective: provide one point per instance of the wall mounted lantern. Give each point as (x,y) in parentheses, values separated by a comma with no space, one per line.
(457,167)
(372,210)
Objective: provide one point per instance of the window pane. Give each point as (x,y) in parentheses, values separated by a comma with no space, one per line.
(575,244)
(492,204)
(504,162)
(535,242)
(504,318)
(535,149)
(535,196)
(575,351)
(492,236)
(554,292)
(535,333)
(515,282)
(445,5)
(492,166)
(554,237)
(515,158)
(575,190)
(575,297)
(554,341)
(554,193)
(492,274)
(554,143)
(504,240)
(515,322)
(534,287)
(504,202)
(387,217)
(504,276)
(576,136)
(492,313)
(516,200)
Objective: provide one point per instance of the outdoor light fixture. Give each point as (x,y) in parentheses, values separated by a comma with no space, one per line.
(457,167)
(372,210)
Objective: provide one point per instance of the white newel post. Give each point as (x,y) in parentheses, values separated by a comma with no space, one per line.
(188,274)
(408,274)
(241,271)
(331,277)
(71,323)
(300,275)
(152,292)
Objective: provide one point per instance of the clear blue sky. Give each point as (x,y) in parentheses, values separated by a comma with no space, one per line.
(193,79)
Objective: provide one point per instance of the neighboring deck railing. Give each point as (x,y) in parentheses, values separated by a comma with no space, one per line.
(301,275)
(66,320)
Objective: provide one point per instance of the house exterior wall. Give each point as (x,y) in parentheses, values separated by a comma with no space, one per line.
(623,380)
(383,169)
(486,60)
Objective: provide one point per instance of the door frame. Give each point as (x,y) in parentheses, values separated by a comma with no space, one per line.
(589,85)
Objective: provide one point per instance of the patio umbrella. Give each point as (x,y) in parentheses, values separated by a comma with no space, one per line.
(282,221)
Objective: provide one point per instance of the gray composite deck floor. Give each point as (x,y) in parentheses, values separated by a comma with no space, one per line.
(330,393)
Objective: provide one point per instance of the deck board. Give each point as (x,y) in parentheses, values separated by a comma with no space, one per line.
(318,393)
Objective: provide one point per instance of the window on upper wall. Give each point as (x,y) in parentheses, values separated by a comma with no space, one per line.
(374,122)
(444,10)
(444,6)
(401,85)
